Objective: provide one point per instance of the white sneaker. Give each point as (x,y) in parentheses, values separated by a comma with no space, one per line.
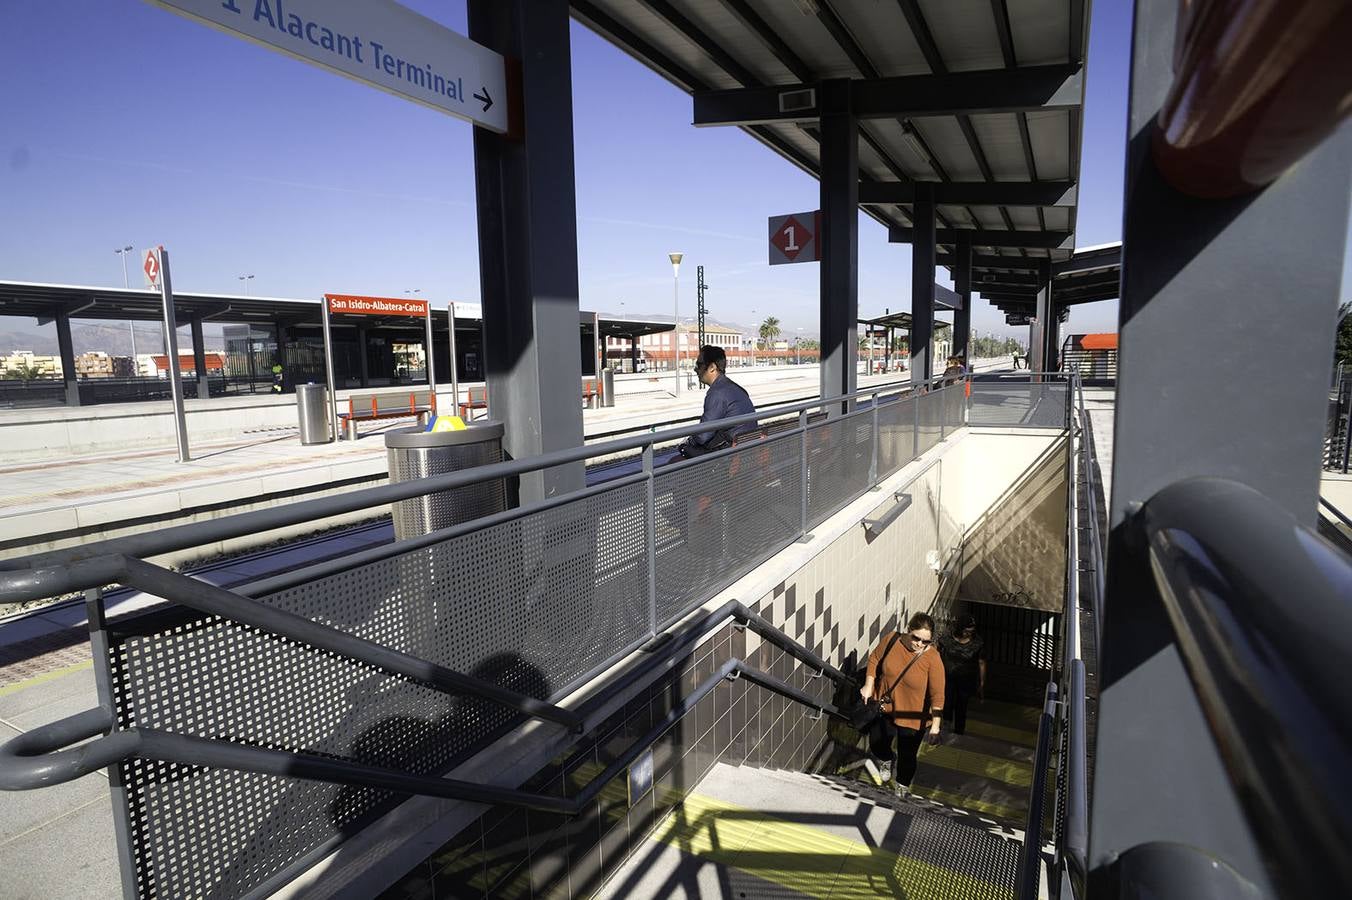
(871,768)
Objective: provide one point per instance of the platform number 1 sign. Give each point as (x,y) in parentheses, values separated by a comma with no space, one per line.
(793,238)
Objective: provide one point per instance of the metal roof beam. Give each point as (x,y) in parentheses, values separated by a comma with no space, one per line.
(910,96)
(991,262)
(1052,240)
(69,310)
(1086,262)
(975,193)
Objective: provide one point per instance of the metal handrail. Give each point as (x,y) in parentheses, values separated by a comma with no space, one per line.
(47,756)
(15,588)
(1065,701)
(1264,640)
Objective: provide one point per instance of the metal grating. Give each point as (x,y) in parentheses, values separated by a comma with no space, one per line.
(931,419)
(536,604)
(1021,404)
(840,452)
(896,435)
(719,518)
(533,604)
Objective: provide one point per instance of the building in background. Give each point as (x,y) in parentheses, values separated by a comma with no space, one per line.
(26,365)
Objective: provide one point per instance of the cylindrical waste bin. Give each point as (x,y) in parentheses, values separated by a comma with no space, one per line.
(414,453)
(312,406)
(607,386)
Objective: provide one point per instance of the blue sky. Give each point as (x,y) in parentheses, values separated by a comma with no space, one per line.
(126,124)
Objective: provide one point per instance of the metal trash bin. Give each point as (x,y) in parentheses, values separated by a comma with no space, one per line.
(312,408)
(414,453)
(607,386)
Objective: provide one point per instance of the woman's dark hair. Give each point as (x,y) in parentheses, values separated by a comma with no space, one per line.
(963,622)
(921,620)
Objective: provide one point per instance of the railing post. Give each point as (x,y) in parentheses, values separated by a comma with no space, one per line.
(915,434)
(802,474)
(650,509)
(873,460)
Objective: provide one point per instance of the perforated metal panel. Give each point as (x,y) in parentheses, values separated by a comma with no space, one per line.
(532,604)
(931,417)
(1033,405)
(896,435)
(719,518)
(838,458)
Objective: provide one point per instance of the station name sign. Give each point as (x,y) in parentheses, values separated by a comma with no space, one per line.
(350,304)
(379,42)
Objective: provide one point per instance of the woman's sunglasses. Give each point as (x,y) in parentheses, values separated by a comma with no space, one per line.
(920,640)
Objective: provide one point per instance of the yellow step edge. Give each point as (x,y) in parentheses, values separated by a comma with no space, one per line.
(1002,733)
(971,804)
(969,762)
(724,834)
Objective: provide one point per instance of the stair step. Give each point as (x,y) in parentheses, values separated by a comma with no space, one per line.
(782,834)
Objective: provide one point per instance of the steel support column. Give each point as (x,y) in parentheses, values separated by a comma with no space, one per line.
(1197,321)
(922,286)
(363,363)
(528,243)
(66,347)
(839,239)
(279,329)
(1037,336)
(962,283)
(199,357)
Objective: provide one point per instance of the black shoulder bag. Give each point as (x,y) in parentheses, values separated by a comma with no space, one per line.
(865,714)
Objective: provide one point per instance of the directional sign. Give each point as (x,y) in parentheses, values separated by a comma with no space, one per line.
(379,42)
(150,265)
(793,238)
(1016,319)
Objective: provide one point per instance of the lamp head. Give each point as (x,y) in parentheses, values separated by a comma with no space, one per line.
(676,262)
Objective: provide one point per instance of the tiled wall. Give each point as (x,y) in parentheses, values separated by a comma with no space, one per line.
(837,604)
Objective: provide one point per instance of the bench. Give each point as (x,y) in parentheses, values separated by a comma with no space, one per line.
(591,392)
(394,405)
(478,399)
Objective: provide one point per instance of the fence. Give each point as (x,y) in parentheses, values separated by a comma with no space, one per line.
(408,656)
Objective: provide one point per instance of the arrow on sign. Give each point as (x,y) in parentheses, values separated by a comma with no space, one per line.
(484,98)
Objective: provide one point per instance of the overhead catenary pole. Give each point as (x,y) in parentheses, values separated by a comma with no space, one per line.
(171,347)
(327,328)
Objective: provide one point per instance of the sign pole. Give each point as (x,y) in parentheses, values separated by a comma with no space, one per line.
(328,371)
(171,344)
(431,362)
(455,366)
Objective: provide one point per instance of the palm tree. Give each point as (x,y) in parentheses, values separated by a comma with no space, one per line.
(769,330)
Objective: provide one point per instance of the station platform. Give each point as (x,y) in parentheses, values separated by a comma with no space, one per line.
(65,500)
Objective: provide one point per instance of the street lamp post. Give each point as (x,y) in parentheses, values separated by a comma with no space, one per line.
(676,315)
(755,337)
(246,279)
(131,327)
(797,349)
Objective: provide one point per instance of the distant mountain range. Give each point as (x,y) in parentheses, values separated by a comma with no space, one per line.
(110,337)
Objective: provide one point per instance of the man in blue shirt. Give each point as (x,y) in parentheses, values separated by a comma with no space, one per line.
(724,400)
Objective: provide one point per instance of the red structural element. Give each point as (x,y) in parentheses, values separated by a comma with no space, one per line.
(215,362)
(1099,341)
(1257,84)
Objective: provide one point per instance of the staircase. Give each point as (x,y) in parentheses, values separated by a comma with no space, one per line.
(744,833)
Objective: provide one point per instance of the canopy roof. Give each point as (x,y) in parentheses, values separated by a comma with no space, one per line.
(981,99)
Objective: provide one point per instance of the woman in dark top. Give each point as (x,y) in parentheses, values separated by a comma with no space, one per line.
(964,656)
